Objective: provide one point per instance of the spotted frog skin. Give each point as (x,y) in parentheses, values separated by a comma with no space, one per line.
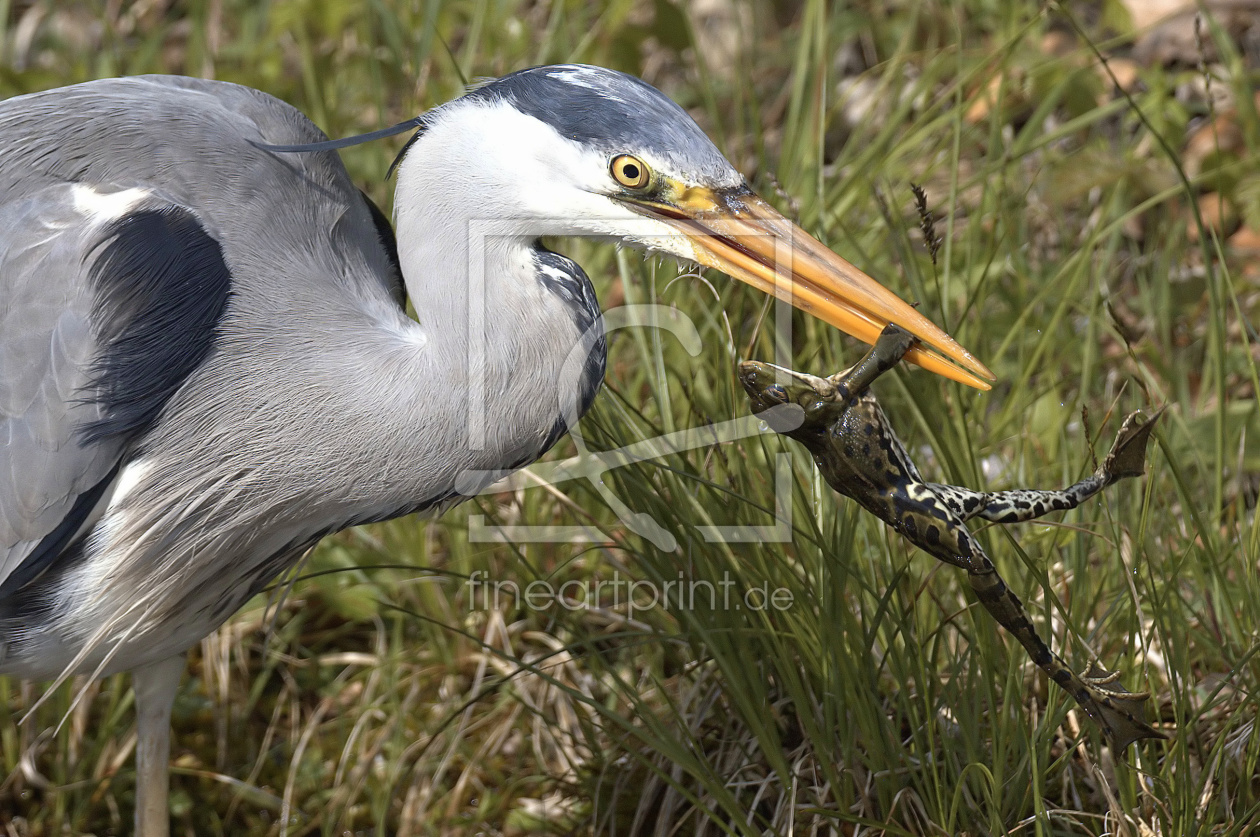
(844,428)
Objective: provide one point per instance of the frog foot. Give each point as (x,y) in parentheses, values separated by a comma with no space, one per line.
(893,343)
(1127,457)
(1120,713)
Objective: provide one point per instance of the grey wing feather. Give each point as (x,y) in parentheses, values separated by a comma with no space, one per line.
(46,348)
(58,150)
(187,143)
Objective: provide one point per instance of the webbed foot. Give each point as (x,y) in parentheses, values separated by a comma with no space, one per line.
(1120,713)
(1127,457)
(892,344)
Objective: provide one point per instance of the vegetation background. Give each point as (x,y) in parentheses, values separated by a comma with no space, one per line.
(1099,248)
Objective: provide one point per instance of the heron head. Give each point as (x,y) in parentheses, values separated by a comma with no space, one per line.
(580,150)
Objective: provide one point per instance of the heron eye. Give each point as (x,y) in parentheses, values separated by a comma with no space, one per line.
(630,172)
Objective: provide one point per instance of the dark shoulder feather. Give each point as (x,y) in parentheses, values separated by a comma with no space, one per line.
(161,286)
(385,231)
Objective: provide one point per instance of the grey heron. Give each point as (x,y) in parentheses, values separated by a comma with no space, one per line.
(205,362)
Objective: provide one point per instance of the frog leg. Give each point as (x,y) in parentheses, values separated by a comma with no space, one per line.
(1018,505)
(1120,713)
(1127,458)
(929,521)
(961,501)
(890,347)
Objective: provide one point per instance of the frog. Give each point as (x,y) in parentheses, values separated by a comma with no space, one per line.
(842,425)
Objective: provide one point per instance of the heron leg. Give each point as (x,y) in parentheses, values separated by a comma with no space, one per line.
(155,687)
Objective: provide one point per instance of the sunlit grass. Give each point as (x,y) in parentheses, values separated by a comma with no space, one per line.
(388,697)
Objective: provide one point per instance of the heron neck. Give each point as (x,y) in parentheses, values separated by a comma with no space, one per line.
(503,342)
(471,293)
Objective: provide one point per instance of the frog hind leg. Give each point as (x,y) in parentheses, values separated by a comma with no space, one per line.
(1127,458)
(1119,712)
(1029,504)
(1124,712)
(961,501)
(1017,505)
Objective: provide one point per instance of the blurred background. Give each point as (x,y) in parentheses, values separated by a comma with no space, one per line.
(1090,229)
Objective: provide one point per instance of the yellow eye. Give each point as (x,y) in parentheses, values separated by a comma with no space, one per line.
(630,172)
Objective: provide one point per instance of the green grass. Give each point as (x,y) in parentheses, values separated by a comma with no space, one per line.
(388,699)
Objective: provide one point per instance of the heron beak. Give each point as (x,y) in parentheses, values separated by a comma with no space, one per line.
(740,234)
